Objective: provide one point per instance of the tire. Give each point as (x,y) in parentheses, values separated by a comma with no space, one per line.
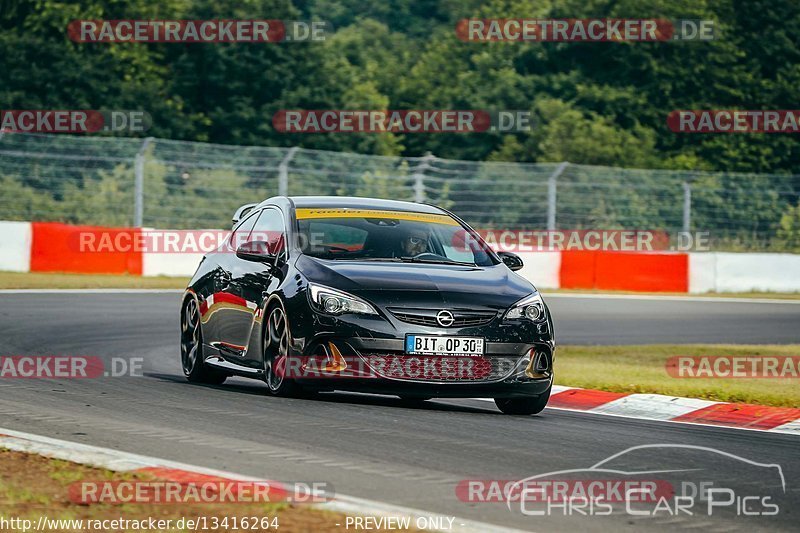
(194,367)
(276,349)
(523,406)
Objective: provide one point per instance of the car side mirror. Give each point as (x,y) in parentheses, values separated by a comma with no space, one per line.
(258,252)
(512,261)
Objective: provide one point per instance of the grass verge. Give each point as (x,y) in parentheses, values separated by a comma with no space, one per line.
(32,486)
(16,280)
(642,369)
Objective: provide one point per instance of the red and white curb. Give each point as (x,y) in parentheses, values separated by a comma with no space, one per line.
(677,409)
(119,461)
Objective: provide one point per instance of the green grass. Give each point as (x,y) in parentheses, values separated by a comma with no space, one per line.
(642,369)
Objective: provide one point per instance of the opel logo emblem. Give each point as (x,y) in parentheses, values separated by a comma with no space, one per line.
(445,318)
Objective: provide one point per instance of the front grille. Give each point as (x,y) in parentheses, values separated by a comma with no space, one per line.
(442,369)
(427,317)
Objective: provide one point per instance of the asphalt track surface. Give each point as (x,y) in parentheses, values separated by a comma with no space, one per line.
(374,447)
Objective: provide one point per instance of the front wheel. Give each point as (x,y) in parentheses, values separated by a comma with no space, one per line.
(194,367)
(523,406)
(276,351)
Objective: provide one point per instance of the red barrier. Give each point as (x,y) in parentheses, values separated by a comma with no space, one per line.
(56,248)
(625,271)
(577,269)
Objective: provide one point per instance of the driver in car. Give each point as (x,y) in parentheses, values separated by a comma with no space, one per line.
(415,243)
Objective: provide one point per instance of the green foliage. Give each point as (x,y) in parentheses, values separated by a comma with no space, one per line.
(789,231)
(592,103)
(600,103)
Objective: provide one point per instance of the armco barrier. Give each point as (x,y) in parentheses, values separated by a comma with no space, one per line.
(15,246)
(58,248)
(55,247)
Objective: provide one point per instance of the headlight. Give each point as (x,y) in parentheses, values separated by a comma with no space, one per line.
(531,307)
(333,302)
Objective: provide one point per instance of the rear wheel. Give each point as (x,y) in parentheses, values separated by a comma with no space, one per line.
(523,406)
(276,351)
(194,367)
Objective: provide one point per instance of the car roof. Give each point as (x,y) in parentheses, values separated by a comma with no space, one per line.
(353,202)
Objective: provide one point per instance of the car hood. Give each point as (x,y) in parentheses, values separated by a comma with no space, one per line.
(420,285)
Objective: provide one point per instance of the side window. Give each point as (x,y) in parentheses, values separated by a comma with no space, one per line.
(269,228)
(239,236)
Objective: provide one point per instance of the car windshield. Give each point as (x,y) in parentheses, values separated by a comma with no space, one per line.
(394,236)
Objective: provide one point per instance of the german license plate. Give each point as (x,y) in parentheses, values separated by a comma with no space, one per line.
(438,345)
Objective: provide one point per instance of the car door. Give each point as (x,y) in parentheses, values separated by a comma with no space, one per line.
(216,308)
(250,283)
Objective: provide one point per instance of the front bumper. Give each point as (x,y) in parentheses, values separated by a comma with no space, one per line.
(504,371)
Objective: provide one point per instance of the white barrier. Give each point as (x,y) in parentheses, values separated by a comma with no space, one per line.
(175,265)
(744,272)
(702,272)
(542,269)
(757,272)
(15,246)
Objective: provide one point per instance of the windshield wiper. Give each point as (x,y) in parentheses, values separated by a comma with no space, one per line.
(436,261)
(376,259)
(337,257)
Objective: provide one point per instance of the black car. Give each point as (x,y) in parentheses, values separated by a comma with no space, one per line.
(357,294)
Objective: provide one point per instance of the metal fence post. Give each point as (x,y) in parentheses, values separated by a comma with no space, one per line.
(687,206)
(138,185)
(552,182)
(283,172)
(419,177)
